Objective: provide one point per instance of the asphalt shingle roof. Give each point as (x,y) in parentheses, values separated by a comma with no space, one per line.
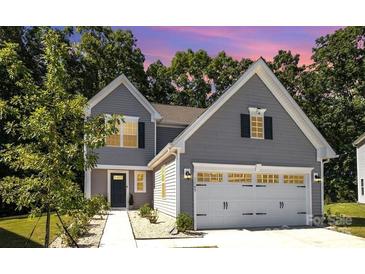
(180,115)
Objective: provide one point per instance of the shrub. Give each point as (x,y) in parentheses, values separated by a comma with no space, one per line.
(184,222)
(96,205)
(145,210)
(153,217)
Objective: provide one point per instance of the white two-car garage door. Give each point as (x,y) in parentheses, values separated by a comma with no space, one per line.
(232,196)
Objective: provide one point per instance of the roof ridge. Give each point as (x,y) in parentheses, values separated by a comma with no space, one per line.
(169,105)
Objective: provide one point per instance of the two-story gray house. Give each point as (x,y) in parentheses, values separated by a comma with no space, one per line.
(253,158)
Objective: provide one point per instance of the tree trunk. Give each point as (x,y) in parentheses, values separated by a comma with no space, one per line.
(48,227)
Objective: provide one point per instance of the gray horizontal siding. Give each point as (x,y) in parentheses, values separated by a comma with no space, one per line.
(219,139)
(99,183)
(166,135)
(316,199)
(121,101)
(142,198)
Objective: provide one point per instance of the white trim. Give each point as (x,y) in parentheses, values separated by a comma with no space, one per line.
(257,112)
(110,171)
(155,141)
(309,197)
(251,168)
(260,68)
(173,125)
(122,79)
(121,167)
(144,181)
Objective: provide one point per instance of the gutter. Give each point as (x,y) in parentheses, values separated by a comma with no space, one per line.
(162,155)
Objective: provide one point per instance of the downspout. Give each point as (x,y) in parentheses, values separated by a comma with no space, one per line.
(324,161)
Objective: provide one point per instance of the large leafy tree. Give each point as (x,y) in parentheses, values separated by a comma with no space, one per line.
(223,71)
(335,90)
(286,67)
(160,88)
(104,54)
(49,123)
(189,77)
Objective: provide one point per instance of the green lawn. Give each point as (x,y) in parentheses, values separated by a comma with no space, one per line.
(355,211)
(15,231)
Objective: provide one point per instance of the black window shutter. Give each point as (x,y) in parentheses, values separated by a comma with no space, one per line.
(141,135)
(268,127)
(245,126)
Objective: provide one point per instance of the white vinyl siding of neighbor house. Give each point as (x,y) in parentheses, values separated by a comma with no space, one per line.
(360,171)
(166,204)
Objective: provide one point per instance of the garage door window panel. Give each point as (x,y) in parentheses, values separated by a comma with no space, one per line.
(239,177)
(294,179)
(267,178)
(210,177)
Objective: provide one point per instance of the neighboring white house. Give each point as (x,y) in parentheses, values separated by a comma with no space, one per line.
(360,155)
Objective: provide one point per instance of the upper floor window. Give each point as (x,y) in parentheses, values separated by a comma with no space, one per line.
(130,133)
(127,134)
(257,122)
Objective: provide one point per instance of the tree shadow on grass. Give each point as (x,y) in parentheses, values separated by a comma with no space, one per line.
(9,239)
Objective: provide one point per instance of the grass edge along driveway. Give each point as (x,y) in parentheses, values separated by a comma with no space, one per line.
(354,210)
(15,231)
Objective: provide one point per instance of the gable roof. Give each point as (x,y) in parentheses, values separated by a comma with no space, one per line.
(261,69)
(122,79)
(178,115)
(359,141)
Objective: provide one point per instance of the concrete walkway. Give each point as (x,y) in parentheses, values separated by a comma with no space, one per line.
(283,238)
(118,232)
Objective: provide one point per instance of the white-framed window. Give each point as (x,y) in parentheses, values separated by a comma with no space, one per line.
(257,122)
(139,181)
(127,134)
(362,187)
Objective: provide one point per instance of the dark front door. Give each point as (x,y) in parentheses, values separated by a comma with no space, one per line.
(118,189)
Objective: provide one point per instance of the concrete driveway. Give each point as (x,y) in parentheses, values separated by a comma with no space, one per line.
(277,238)
(118,233)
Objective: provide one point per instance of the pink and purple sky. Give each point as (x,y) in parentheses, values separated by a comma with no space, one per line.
(238,42)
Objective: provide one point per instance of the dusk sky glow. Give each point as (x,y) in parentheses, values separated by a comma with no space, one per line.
(238,42)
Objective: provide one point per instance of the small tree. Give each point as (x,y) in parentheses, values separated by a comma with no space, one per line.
(52,133)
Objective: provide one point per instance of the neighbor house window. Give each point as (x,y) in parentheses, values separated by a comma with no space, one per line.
(126,135)
(239,177)
(362,187)
(257,122)
(139,181)
(294,179)
(267,178)
(210,177)
(163,182)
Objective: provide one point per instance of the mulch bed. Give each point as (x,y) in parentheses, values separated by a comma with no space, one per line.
(143,229)
(91,239)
